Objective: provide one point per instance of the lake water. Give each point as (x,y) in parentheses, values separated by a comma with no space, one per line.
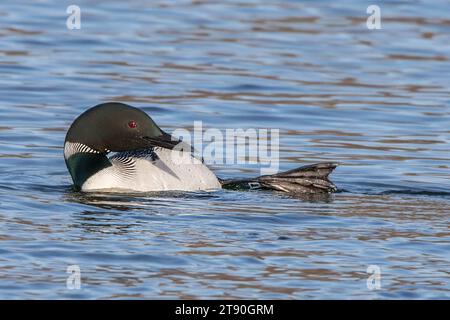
(376,101)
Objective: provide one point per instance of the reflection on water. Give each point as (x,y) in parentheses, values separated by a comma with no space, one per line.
(376,101)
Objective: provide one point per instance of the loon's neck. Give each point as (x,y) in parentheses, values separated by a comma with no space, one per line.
(83,165)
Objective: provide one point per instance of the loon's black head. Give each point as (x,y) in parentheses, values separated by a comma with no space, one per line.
(117,127)
(109,127)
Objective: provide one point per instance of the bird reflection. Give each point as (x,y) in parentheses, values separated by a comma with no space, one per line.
(107,216)
(121,201)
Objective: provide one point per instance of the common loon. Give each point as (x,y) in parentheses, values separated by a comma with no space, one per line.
(114,146)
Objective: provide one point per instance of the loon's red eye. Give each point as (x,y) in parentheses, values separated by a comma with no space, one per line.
(132,124)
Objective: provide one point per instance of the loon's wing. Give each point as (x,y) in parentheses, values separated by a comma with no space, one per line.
(307,179)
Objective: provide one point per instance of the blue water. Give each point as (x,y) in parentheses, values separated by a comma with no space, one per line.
(377,101)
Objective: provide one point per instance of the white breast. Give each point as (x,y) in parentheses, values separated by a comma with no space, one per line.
(172,170)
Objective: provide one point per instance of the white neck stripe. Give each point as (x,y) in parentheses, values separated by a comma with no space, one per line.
(71,148)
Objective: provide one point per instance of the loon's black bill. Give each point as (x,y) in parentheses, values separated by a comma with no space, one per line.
(164,141)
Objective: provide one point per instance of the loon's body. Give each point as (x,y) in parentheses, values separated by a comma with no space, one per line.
(113,146)
(152,170)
